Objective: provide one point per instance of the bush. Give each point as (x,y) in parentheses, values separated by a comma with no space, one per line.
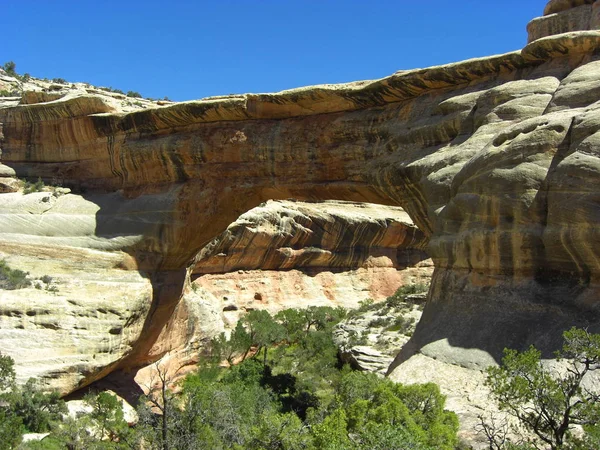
(59,80)
(47,279)
(380,322)
(10,68)
(401,324)
(134,94)
(29,187)
(11,279)
(402,292)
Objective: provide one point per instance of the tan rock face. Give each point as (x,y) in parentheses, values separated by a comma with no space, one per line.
(288,254)
(496,160)
(75,327)
(563,16)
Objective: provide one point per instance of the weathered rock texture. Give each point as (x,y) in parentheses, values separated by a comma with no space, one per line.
(496,160)
(563,16)
(287,235)
(76,327)
(287,254)
(373,335)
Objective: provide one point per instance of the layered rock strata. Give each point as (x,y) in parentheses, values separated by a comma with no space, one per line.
(85,307)
(288,254)
(496,160)
(564,16)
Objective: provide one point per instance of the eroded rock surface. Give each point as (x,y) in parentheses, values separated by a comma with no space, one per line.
(496,160)
(374,334)
(288,254)
(283,235)
(85,308)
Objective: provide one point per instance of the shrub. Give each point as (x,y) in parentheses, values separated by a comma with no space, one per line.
(380,322)
(134,94)
(59,80)
(367,304)
(47,279)
(29,187)
(10,68)
(546,402)
(402,292)
(11,279)
(401,324)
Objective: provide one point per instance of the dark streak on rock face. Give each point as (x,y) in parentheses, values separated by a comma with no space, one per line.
(476,153)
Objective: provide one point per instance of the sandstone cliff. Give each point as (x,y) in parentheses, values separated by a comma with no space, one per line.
(496,160)
(287,254)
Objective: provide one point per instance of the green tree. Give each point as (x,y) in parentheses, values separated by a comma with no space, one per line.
(10,68)
(332,433)
(108,420)
(11,429)
(228,349)
(263,330)
(38,410)
(7,370)
(11,426)
(547,402)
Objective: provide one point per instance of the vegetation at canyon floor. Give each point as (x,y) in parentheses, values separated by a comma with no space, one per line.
(548,402)
(276,382)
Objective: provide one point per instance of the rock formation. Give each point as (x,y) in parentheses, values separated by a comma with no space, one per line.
(374,334)
(287,254)
(496,160)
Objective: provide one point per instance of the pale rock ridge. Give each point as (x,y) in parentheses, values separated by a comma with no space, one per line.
(76,328)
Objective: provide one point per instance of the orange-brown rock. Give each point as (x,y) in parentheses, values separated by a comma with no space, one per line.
(496,160)
(286,235)
(289,254)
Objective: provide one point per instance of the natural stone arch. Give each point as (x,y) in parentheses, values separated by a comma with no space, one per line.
(473,151)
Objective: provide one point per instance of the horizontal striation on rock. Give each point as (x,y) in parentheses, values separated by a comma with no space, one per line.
(286,235)
(495,160)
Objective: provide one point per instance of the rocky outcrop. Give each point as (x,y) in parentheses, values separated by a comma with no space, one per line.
(563,16)
(374,334)
(285,235)
(495,159)
(84,318)
(85,307)
(288,254)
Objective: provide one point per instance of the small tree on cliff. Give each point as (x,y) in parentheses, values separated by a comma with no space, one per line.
(10,68)
(548,402)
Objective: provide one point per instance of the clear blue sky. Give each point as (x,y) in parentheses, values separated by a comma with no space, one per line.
(191,49)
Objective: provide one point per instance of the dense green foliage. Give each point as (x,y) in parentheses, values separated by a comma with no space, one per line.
(26,409)
(549,402)
(288,391)
(274,383)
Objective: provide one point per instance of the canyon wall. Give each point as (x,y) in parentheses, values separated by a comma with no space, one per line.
(288,254)
(496,160)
